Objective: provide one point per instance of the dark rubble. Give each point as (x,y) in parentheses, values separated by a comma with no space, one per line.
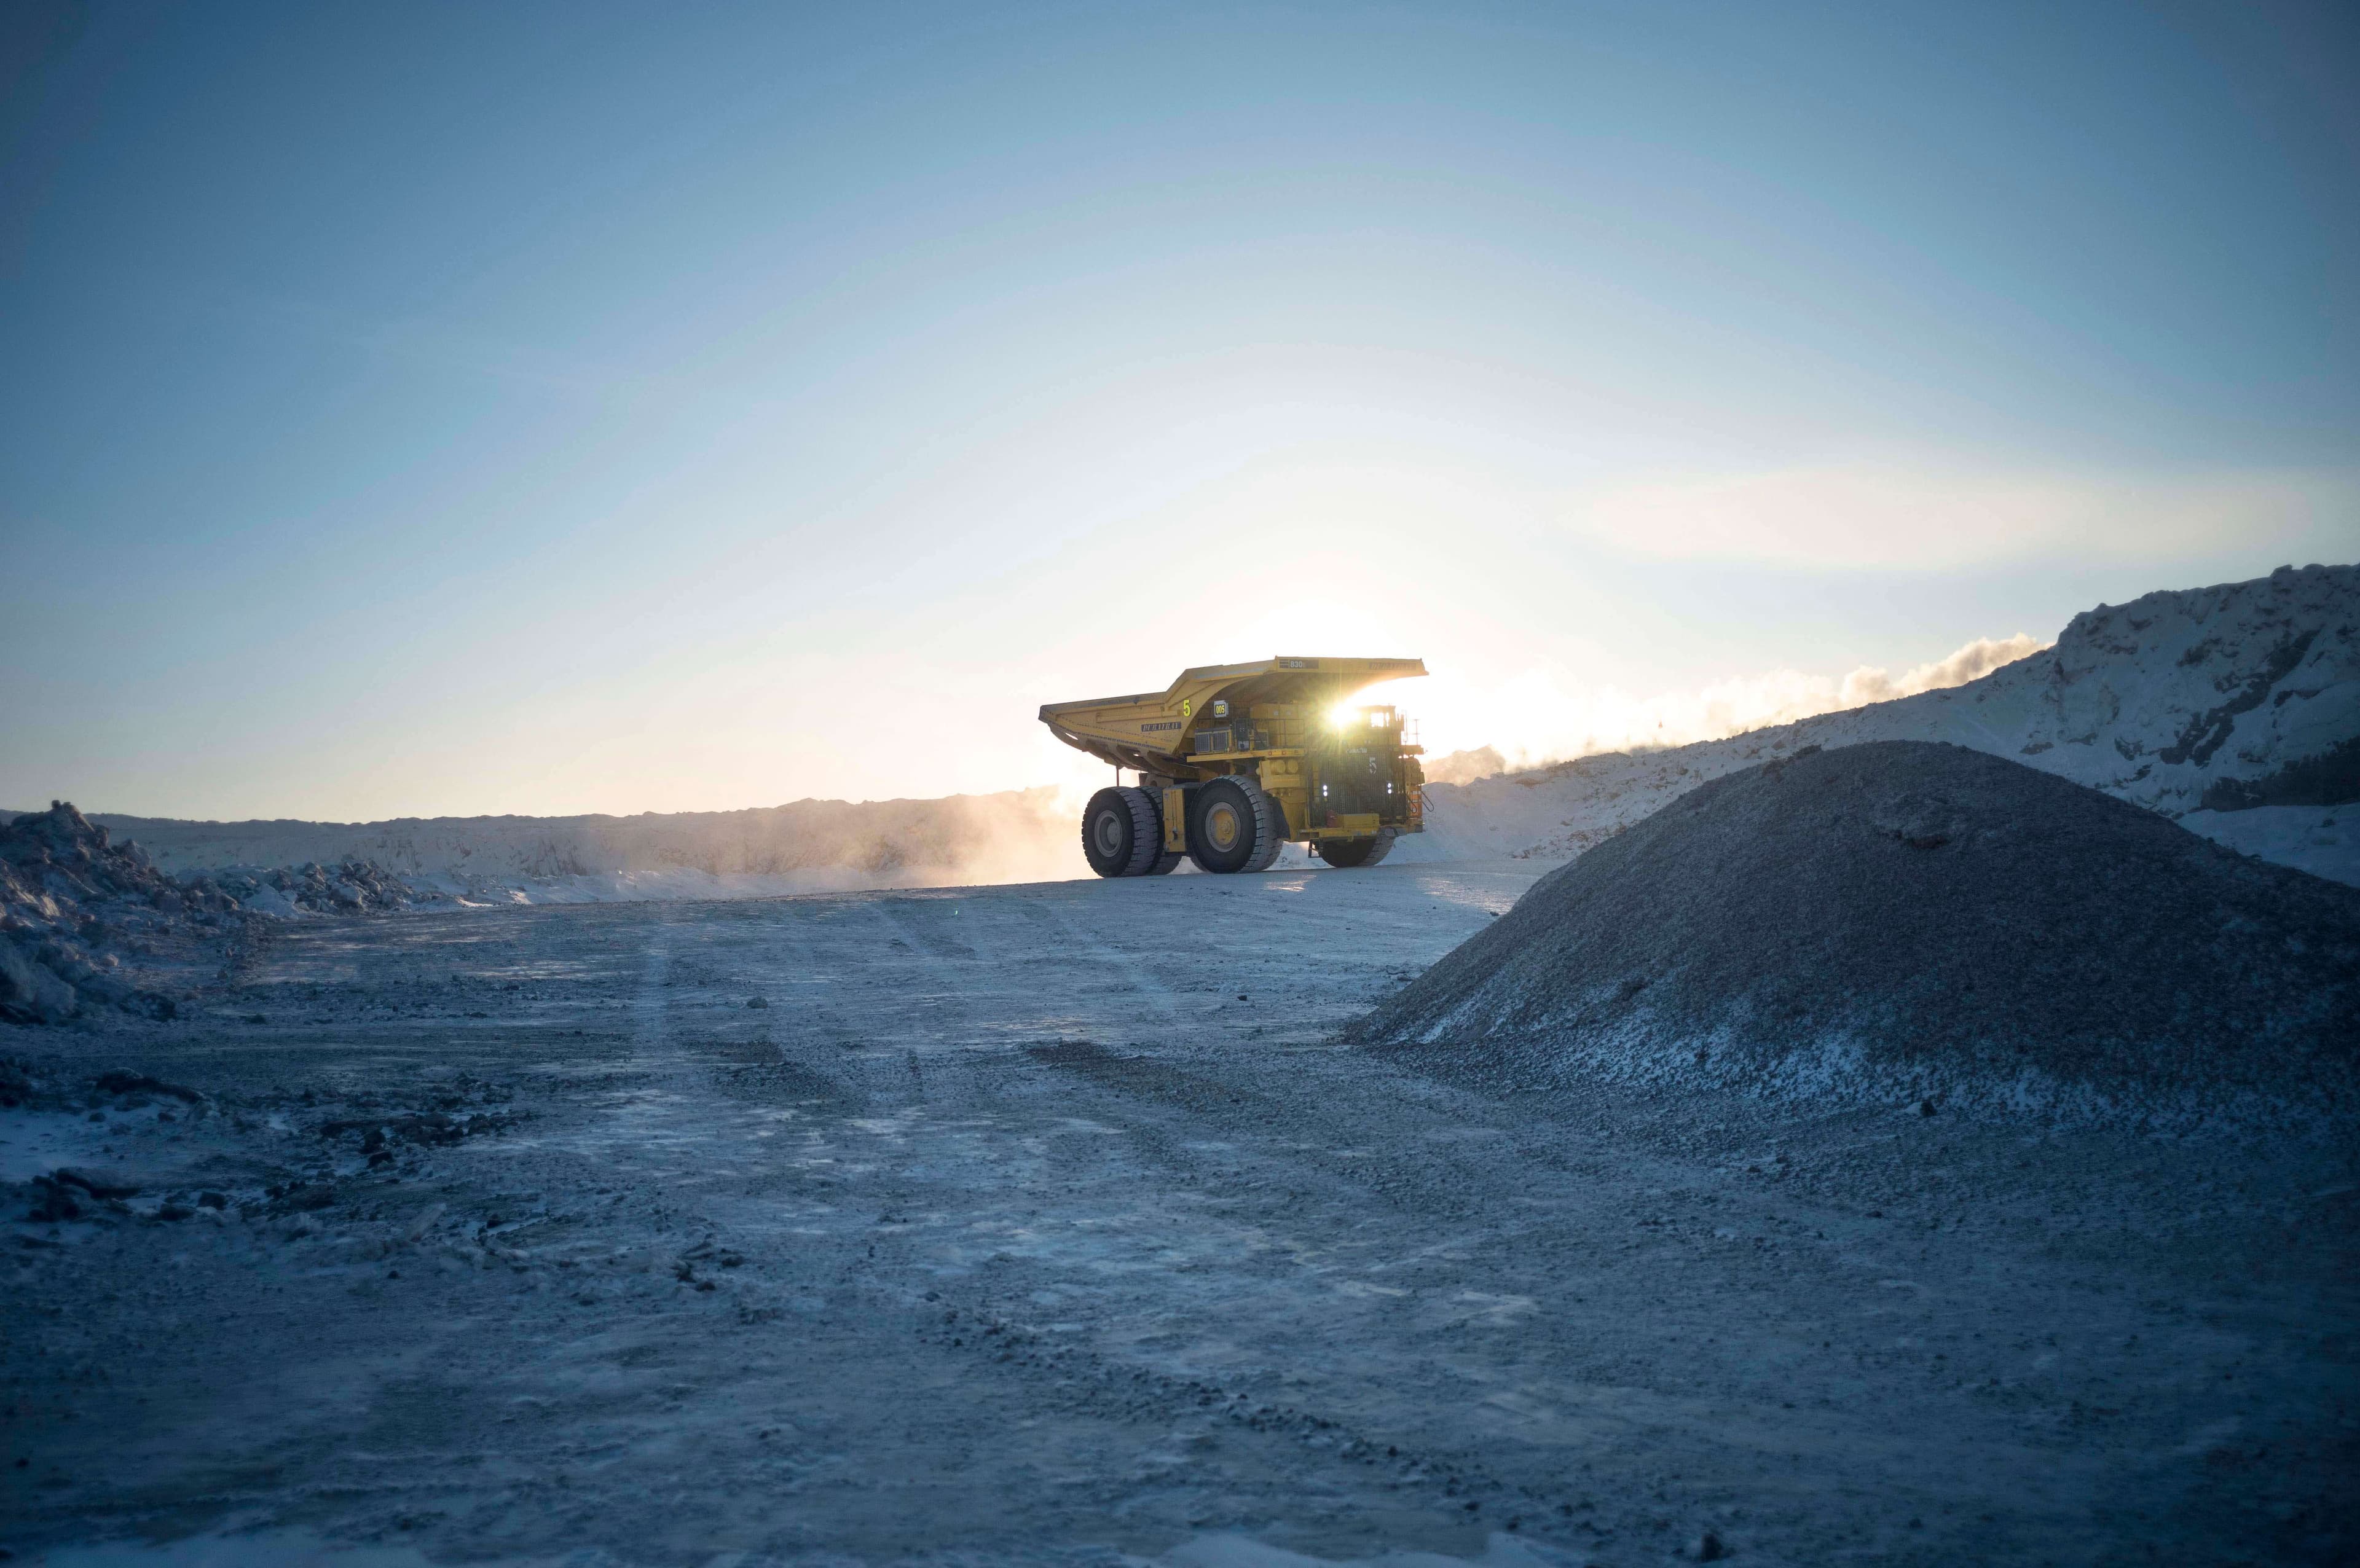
(1919,924)
(88,924)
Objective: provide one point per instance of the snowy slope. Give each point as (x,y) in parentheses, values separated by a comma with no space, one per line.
(2233,709)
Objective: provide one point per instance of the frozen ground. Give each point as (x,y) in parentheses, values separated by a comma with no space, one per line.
(1048,1223)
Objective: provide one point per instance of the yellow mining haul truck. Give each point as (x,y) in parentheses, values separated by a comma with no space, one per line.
(1237,759)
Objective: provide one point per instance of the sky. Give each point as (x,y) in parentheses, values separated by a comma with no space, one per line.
(456,409)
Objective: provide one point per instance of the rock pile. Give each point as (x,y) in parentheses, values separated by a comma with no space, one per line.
(73,906)
(1922,925)
(83,918)
(349,887)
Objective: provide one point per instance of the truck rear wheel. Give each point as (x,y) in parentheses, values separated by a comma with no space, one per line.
(1233,826)
(1346,852)
(1122,833)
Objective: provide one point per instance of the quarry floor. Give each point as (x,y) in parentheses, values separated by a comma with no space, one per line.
(1049,1223)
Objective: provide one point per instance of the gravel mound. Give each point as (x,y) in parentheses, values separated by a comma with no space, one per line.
(1918,924)
(86,922)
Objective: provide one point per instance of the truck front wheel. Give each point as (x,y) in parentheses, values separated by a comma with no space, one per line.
(1346,852)
(1233,826)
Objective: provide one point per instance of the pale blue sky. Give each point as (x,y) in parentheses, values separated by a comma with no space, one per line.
(412,409)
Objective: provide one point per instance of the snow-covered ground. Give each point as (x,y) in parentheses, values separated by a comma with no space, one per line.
(1049,1226)
(1050,1223)
(2163,702)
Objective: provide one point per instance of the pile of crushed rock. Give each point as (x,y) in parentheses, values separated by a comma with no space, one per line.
(352,887)
(1916,924)
(89,923)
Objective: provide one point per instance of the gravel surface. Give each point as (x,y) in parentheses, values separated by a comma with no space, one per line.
(1055,1223)
(1910,923)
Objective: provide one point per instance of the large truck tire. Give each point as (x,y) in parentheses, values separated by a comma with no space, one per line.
(1347,853)
(1274,828)
(1122,833)
(1233,826)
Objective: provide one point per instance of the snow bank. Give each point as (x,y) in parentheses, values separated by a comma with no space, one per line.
(2210,705)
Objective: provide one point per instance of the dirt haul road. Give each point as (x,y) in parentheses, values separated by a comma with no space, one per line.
(1048,1223)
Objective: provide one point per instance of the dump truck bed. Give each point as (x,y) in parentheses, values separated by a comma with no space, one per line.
(1155,733)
